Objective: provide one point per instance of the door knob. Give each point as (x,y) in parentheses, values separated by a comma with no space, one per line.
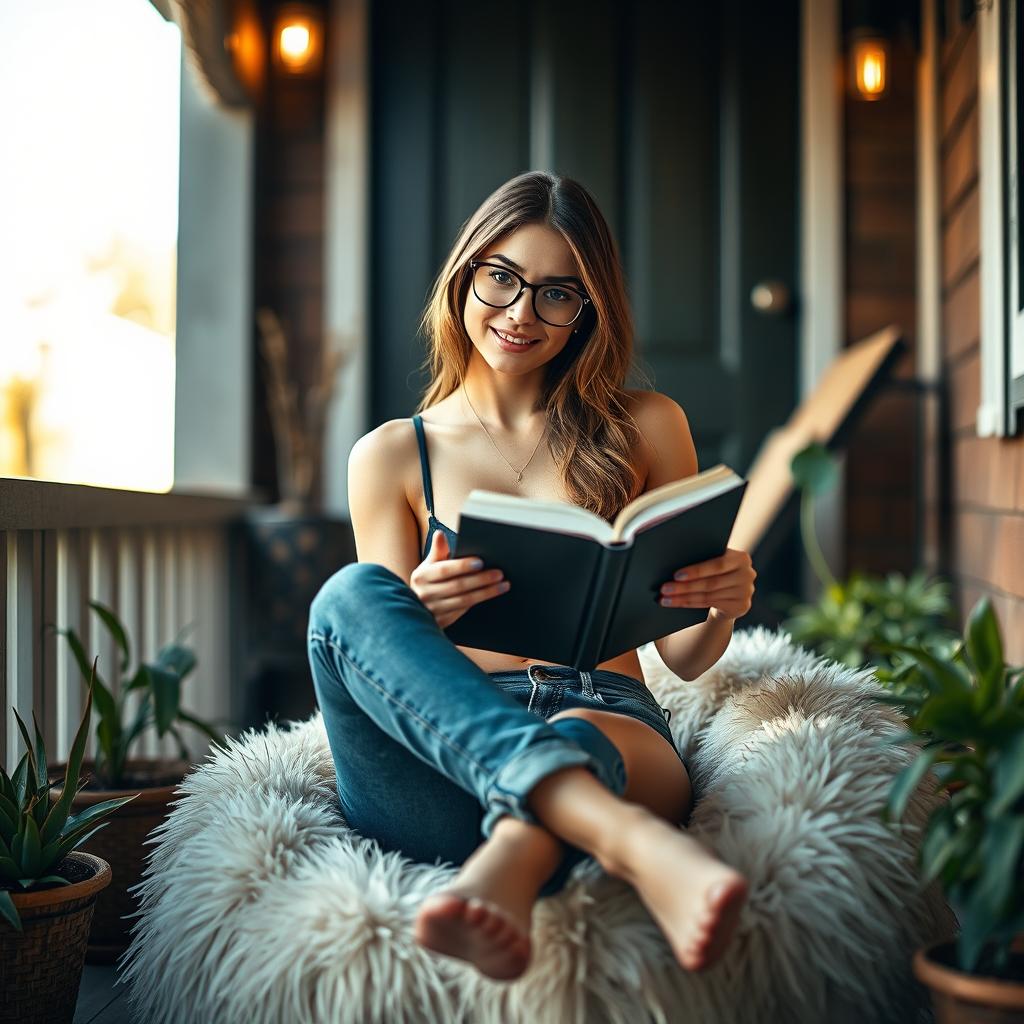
(771,298)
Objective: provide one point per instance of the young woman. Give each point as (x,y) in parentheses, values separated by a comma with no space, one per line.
(436,746)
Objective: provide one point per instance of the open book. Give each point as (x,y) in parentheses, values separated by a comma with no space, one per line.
(583,590)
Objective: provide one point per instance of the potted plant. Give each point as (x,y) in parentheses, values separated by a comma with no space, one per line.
(862,621)
(289,548)
(48,888)
(968,710)
(156,686)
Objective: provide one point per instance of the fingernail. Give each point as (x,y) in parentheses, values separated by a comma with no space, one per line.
(681,575)
(477,563)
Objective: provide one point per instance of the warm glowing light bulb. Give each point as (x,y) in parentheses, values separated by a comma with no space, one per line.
(295,44)
(870,58)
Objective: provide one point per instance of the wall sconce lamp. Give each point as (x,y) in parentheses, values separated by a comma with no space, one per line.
(298,39)
(869,64)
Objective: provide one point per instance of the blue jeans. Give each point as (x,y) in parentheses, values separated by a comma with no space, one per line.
(430,750)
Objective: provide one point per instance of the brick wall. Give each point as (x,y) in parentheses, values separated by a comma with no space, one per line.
(288,238)
(986,475)
(882,495)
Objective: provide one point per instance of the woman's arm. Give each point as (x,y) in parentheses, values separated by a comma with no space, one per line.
(724,584)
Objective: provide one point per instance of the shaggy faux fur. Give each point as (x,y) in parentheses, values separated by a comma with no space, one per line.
(260,906)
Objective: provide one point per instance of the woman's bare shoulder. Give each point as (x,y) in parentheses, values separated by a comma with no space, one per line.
(668,449)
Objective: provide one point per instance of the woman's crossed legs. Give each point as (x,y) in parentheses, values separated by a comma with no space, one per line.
(385,672)
(484,915)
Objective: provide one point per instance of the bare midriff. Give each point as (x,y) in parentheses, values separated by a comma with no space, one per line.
(490,661)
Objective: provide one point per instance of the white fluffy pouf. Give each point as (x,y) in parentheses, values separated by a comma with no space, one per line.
(259,905)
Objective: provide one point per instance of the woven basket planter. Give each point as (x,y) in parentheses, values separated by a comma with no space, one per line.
(121,844)
(41,966)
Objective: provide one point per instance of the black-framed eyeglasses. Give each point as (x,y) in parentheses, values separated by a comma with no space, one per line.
(556,304)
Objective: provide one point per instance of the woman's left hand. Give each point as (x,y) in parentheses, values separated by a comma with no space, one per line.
(724,584)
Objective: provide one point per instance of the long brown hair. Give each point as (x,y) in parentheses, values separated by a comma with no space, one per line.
(590,430)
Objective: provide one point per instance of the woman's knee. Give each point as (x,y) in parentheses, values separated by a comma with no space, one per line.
(345,594)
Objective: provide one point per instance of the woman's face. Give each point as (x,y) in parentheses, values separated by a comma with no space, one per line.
(537,253)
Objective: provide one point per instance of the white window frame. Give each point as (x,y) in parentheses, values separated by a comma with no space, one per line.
(1002,321)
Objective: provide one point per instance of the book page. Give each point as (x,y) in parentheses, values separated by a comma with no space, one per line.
(671,498)
(559,516)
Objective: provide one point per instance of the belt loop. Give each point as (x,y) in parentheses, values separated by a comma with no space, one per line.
(588,687)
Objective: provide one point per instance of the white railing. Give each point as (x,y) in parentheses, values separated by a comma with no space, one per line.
(161,562)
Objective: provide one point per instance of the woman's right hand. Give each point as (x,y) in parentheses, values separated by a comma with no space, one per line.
(448,586)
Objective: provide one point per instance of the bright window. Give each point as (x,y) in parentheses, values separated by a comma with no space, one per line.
(89,226)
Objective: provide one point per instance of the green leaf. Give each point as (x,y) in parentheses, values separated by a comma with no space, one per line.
(177,659)
(30,851)
(814,470)
(1002,843)
(115,628)
(216,737)
(981,637)
(79,652)
(166,689)
(72,772)
(9,910)
(142,719)
(138,681)
(73,841)
(87,816)
(906,782)
(20,780)
(1008,776)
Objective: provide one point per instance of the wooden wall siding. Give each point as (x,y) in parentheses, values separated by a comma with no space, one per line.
(157,579)
(986,474)
(883,517)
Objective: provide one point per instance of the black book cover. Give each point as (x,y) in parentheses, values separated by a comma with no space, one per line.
(575,601)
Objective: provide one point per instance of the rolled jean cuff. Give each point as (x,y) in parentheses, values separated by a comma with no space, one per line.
(515,779)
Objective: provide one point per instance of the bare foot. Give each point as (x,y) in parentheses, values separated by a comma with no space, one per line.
(695,898)
(484,915)
(472,929)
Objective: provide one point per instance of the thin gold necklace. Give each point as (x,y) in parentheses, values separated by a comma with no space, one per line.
(519,473)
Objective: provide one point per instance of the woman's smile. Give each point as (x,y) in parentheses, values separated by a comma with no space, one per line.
(506,344)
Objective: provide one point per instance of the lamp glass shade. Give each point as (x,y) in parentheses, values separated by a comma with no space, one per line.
(297,39)
(869,67)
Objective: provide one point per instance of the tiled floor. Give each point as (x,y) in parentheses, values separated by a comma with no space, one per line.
(100,999)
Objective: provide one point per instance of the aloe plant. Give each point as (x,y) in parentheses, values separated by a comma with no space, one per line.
(35,836)
(968,710)
(159,683)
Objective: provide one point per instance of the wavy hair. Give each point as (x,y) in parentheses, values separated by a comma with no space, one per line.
(591,433)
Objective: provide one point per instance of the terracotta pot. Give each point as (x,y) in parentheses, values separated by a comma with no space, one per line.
(41,966)
(122,844)
(961,998)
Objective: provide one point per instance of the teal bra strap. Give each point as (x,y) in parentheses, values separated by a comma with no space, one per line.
(428,494)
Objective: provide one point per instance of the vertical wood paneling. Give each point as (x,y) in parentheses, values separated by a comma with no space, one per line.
(158,581)
(169,623)
(4,703)
(151,591)
(71,605)
(209,690)
(129,589)
(47,639)
(21,629)
(103,580)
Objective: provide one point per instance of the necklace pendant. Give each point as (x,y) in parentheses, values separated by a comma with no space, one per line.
(519,478)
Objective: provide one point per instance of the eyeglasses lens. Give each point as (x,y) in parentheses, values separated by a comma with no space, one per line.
(554,305)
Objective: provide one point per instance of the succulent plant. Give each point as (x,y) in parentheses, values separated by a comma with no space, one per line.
(35,836)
